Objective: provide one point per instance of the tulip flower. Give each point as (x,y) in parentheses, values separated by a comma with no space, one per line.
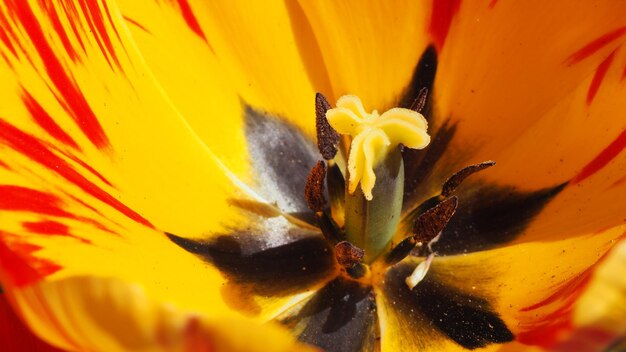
(301,175)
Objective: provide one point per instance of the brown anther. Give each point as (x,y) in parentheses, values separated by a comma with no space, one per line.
(348,255)
(428,225)
(455,180)
(314,188)
(327,137)
(420,102)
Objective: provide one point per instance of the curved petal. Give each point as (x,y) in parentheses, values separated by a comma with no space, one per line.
(563,91)
(84,313)
(562,176)
(265,52)
(599,315)
(371,49)
(532,286)
(496,77)
(96,163)
(223,90)
(16,336)
(178,53)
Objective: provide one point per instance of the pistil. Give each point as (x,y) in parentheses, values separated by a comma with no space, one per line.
(375,170)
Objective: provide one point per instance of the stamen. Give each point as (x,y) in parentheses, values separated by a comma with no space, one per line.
(314,188)
(348,255)
(426,230)
(455,180)
(420,102)
(327,137)
(374,137)
(419,273)
(429,224)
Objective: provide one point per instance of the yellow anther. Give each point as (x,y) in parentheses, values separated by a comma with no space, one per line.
(374,136)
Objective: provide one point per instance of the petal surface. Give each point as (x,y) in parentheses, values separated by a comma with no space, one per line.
(96,162)
(532,286)
(261,48)
(84,313)
(370,49)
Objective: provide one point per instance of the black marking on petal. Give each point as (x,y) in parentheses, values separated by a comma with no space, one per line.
(340,317)
(282,157)
(423,77)
(419,164)
(467,319)
(490,215)
(327,137)
(455,180)
(273,271)
(401,250)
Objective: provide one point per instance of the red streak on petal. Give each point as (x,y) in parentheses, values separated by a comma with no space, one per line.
(546,335)
(547,331)
(441,18)
(595,46)
(7,41)
(90,169)
(190,18)
(16,198)
(137,24)
(550,328)
(619,182)
(58,28)
(39,153)
(602,159)
(4,165)
(16,336)
(586,339)
(598,77)
(45,121)
(80,110)
(19,263)
(96,26)
(571,287)
(493,3)
(70,10)
(49,227)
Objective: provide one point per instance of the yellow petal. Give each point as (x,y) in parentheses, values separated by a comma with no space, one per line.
(269,70)
(178,53)
(93,197)
(534,300)
(496,78)
(371,49)
(601,310)
(586,147)
(85,313)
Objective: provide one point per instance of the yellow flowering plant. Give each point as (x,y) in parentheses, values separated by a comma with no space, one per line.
(216,175)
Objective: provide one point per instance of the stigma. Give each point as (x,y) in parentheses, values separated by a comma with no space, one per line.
(373,136)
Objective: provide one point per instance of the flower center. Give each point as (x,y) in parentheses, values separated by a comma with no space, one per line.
(365,149)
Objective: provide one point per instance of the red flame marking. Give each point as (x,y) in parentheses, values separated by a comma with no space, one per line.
(37,151)
(602,159)
(598,77)
(441,18)
(595,46)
